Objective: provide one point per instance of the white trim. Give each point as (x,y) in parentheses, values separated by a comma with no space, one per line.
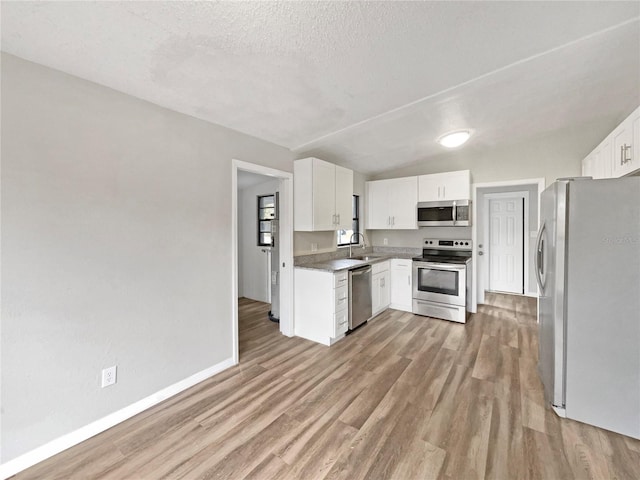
(524,195)
(286,247)
(540,182)
(286,256)
(560,411)
(64,442)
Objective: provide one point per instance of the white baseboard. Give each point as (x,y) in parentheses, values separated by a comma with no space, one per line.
(56,446)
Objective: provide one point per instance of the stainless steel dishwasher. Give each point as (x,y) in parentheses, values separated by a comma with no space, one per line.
(359,296)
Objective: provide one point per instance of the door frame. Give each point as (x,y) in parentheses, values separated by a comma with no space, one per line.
(286,247)
(525,236)
(539,182)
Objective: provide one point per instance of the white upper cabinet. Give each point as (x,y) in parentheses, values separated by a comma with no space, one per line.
(587,165)
(391,204)
(598,164)
(444,186)
(344,198)
(602,161)
(618,154)
(323,195)
(626,145)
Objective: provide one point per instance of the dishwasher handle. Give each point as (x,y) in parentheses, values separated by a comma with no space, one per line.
(361,270)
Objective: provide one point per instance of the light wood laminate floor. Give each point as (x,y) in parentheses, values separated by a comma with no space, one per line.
(405,397)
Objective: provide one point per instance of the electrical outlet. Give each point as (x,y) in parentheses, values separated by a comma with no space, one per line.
(385,241)
(109,376)
(314,247)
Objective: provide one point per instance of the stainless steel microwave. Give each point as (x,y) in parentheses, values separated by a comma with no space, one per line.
(450,213)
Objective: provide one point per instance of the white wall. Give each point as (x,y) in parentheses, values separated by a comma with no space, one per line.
(253,263)
(116,249)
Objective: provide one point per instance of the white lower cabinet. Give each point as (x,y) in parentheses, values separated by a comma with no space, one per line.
(321,305)
(380,287)
(401,288)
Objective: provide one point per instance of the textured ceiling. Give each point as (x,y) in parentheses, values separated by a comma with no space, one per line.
(367,84)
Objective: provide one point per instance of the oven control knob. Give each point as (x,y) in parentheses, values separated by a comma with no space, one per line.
(456,243)
(466,243)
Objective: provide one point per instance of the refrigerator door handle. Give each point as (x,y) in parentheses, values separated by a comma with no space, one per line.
(539,258)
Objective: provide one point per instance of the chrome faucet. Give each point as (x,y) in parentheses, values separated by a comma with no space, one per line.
(364,245)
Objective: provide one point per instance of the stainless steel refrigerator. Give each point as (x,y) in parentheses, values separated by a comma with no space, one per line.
(588,270)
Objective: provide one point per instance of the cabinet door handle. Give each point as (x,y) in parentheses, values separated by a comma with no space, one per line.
(338,222)
(624,158)
(408,279)
(444,191)
(627,158)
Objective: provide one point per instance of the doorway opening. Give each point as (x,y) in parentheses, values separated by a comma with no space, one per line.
(262,258)
(505,222)
(503,261)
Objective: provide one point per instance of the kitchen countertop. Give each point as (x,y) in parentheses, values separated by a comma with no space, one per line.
(339,264)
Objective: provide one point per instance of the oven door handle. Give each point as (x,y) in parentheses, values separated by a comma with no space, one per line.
(442,266)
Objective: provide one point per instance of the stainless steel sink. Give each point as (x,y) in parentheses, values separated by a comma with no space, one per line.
(364,258)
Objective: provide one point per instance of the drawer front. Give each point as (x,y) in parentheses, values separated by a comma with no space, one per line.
(341,295)
(398,263)
(340,279)
(379,267)
(342,322)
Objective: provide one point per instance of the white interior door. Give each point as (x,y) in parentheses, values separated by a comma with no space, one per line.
(506,245)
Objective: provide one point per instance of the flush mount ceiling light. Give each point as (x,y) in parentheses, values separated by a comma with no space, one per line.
(454,139)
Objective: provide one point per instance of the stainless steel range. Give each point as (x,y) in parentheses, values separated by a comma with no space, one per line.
(442,279)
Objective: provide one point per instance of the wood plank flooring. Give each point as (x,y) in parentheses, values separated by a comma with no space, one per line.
(405,397)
